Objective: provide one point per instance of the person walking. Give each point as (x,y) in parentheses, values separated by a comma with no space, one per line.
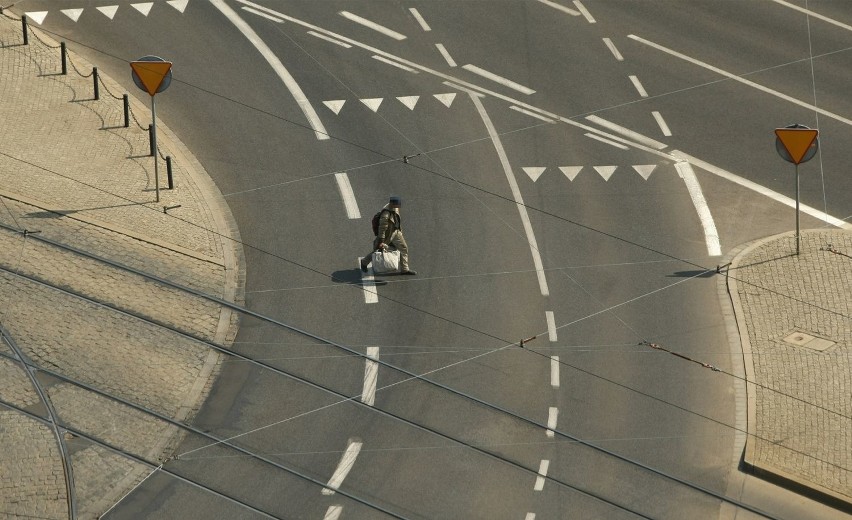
(390,233)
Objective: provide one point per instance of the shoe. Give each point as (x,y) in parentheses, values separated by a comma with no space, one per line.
(409,271)
(364,265)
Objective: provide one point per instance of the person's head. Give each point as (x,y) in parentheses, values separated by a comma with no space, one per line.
(395,203)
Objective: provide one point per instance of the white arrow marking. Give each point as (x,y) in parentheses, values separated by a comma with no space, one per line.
(534,172)
(605,171)
(180,5)
(73,14)
(108,11)
(37,16)
(143,8)
(409,101)
(335,105)
(446,99)
(373,103)
(644,169)
(571,171)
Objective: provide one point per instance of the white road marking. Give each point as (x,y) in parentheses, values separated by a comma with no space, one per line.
(554,371)
(711,236)
(277,66)
(783,199)
(499,79)
(531,114)
(335,105)
(333,513)
(252,10)
(741,80)
(639,87)
(560,7)
(551,325)
(662,123)
(585,12)
(73,14)
(372,25)
(552,415)
(644,169)
(180,5)
(108,10)
(143,8)
(516,193)
(343,468)
(613,49)
(373,103)
(604,140)
(605,171)
(419,18)
(446,99)
(812,13)
(443,50)
(36,16)
(542,473)
(530,516)
(570,171)
(394,63)
(368,284)
(636,136)
(348,195)
(371,375)
(409,101)
(534,172)
(329,39)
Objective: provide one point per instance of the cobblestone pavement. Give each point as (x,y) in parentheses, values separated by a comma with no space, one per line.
(794,318)
(71,173)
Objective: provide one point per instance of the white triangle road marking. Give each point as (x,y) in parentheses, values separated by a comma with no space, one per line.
(180,5)
(571,171)
(37,16)
(335,105)
(409,101)
(108,10)
(73,14)
(373,103)
(644,169)
(446,99)
(534,172)
(605,171)
(143,8)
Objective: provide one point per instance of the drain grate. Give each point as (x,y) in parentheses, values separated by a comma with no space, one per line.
(803,339)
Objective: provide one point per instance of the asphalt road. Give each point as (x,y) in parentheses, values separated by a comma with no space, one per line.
(626,247)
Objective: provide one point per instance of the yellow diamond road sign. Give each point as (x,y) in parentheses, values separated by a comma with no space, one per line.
(797,142)
(151,73)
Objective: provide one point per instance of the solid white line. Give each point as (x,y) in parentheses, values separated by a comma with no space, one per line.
(395,64)
(443,50)
(329,39)
(499,79)
(277,66)
(343,468)
(542,473)
(371,375)
(585,12)
(348,195)
(554,371)
(531,114)
(252,10)
(815,15)
(741,80)
(783,199)
(613,50)
(662,122)
(372,25)
(639,87)
(551,325)
(560,7)
(711,236)
(636,136)
(516,193)
(419,18)
(333,513)
(607,141)
(368,284)
(552,416)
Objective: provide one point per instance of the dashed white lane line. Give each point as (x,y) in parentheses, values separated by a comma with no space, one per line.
(662,123)
(613,49)
(552,416)
(551,325)
(343,467)
(419,18)
(814,14)
(394,63)
(333,513)
(542,474)
(554,371)
(328,39)
(711,235)
(443,50)
(585,12)
(371,375)
(348,195)
(368,284)
(636,136)
(498,79)
(560,7)
(639,87)
(277,66)
(252,10)
(372,25)
(516,193)
(531,114)
(605,140)
(530,516)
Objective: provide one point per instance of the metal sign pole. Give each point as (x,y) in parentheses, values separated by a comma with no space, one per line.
(798,235)
(156,152)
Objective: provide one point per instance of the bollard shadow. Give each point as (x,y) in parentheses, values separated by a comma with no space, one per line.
(698,273)
(352,277)
(59,213)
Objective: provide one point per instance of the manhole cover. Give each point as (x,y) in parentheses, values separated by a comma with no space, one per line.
(801,339)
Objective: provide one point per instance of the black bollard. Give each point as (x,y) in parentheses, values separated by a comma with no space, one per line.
(64,59)
(169,172)
(95,82)
(151,138)
(24,25)
(126,111)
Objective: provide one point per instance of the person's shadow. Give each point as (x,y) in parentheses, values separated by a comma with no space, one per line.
(354,277)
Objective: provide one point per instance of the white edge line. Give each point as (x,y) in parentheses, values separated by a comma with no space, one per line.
(560,7)
(330,39)
(711,235)
(372,25)
(262,14)
(449,59)
(607,141)
(394,63)
(343,467)
(531,114)
(345,188)
(371,375)
(368,284)
(662,123)
(420,19)
(613,49)
(498,79)
(636,136)
(554,371)
(585,12)
(551,325)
